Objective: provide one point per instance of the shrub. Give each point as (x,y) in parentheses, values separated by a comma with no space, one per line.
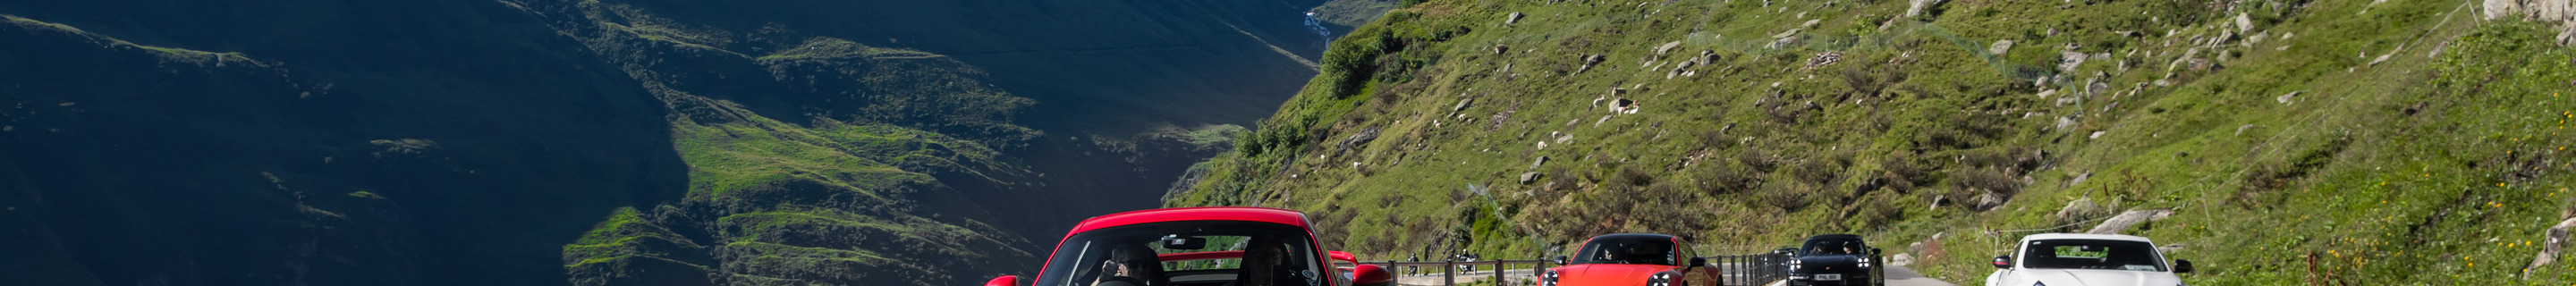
(1987,179)
(1762,162)
(1786,197)
(1819,171)
(1630,177)
(1722,178)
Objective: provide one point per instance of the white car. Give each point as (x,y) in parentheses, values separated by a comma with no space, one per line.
(2066,259)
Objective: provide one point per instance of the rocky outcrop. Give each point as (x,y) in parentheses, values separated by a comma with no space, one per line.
(2561,13)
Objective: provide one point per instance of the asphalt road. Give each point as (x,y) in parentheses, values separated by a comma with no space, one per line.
(1434,278)
(1901,276)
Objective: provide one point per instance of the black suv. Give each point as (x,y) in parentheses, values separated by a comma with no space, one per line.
(1834,259)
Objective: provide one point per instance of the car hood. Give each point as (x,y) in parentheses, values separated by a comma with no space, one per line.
(2089,277)
(1606,274)
(1837,259)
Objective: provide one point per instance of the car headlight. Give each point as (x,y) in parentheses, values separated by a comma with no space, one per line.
(1793,264)
(1660,279)
(1547,279)
(2039,284)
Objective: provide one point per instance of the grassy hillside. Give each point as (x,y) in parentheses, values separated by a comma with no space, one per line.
(2372,142)
(822,161)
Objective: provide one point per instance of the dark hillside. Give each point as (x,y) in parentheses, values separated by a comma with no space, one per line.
(270,163)
(602,142)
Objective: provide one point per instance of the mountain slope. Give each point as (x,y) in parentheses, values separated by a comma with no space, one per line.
(601,142)
(264,164)
(837,198)
(2295,142)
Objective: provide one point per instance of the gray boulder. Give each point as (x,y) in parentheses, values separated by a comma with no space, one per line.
(1919,7)
(2125,220)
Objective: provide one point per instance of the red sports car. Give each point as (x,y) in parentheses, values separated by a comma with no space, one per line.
(1631,259)
(1208,246)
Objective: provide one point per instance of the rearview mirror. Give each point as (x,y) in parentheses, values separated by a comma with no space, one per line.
(1343,256)
(1184,243)
(2182,266)
(1698,262)
(1005,280)
(2003,262)
(1560,260)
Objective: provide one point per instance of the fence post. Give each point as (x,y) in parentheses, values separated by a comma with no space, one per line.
(1449,272)
(1539,269)
(1734,270)
(1391,271)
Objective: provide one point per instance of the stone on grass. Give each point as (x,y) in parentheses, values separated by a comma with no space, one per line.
(2126,220)
(1919,7)
(2552,242)
(2244,24)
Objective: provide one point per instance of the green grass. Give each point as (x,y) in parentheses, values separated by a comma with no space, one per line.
(1352,12)
(826,196)
(1916,113)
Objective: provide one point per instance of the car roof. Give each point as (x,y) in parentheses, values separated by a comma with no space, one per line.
(2050,236)
(1633,235)
(1253,214)
(1834,236)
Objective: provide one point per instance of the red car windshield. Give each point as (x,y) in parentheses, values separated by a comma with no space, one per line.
(1626,250)
(1272,255)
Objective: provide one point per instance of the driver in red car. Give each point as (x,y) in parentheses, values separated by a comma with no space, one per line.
(1130,265)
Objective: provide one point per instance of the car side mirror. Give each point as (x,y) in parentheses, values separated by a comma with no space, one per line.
(2182,266)
(1790,251)
(1560,260)
(1371,275)
(1876,251)
(2003,262)
(1698,262)
(1005,280)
